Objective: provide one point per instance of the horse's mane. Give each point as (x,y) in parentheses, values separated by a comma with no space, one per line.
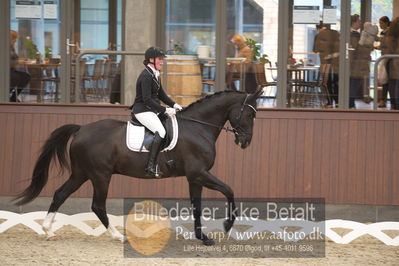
(210,96)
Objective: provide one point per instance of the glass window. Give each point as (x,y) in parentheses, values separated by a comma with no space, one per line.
(190,42)
(94,24)
(367,44)
(100,75)
(380,9)
(36,60)
(119,26)
(190,23)
(313,54)
(251,49)
(35,51)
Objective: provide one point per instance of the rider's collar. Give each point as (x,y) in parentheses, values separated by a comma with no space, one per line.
(154,71)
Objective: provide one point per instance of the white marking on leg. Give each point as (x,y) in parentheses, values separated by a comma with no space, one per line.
(47,223)
(115,234)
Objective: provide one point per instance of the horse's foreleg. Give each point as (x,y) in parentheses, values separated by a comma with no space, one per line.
(47,224)
(212,182)
(61,194)
(100,186)
(195,197)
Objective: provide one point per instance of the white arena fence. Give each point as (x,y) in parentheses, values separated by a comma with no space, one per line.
(11,219)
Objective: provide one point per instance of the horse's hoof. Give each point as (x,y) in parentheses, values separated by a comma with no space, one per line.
(50,234)
(121,238)
(51,238)
(208,242)
(228,224)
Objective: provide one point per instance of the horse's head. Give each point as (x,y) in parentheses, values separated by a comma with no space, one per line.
(241,118)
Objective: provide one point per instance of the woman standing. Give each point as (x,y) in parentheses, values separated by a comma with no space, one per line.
(146,106)
(384,25)
(18,79)
(391,41)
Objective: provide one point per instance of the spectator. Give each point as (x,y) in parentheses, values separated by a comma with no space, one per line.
(366,44)
(18,79)
(327,45)
(384,25)
(360,69)
(369,34)
(392,47)
(235,69)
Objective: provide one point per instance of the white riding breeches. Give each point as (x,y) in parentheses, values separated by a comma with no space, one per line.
(151,121)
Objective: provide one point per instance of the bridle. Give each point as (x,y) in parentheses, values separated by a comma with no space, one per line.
(235,130)
(242,108)
(238,128)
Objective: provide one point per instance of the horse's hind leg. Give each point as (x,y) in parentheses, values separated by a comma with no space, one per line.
(60,195)
(100,186)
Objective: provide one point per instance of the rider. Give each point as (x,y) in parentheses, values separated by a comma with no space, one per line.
(147,105)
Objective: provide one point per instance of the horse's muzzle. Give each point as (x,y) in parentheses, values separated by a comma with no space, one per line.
(242,142)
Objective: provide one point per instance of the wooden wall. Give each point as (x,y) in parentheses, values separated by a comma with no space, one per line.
(347,157)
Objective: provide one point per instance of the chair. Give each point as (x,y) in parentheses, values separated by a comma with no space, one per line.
(262,81)
(114,83)
(51,75)
(94,80)
(82,78)
(208,79)
(105,80)
(237,70)
(273,75)
(36,81)
(315,93)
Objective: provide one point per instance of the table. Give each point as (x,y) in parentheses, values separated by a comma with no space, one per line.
(209,63)
(41,73)
(303,86)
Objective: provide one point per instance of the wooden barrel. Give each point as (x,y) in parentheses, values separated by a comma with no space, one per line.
(183,78)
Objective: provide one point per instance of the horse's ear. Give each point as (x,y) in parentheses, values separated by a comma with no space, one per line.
(256,94)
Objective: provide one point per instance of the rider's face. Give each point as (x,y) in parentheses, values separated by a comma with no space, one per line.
(158,63)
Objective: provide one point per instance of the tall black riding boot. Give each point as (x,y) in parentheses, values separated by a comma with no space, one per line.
(152,164)
(13,95)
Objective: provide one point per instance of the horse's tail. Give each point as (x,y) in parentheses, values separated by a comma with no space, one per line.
(56,145)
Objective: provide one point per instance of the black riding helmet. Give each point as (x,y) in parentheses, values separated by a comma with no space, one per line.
(153,52)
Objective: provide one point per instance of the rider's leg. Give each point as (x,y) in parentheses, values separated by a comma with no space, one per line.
(152,168)
(151,121)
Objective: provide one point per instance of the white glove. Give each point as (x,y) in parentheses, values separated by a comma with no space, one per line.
(177,107)
(170,111)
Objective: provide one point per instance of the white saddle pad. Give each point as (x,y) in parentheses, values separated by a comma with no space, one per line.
(135,136)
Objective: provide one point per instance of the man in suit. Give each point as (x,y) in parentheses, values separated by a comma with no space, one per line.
(327,45)
(355,81)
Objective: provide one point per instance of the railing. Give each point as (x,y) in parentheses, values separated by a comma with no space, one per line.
(94,51)
(377,62)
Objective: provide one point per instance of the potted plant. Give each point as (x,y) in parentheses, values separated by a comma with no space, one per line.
(255,75)
(31,49)
(257,56)
(47,53)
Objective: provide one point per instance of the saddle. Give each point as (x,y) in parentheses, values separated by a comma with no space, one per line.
(139,138)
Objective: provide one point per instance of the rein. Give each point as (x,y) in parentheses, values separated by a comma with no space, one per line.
(227,129)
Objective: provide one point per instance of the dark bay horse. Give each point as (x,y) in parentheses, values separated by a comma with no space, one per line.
(99,150)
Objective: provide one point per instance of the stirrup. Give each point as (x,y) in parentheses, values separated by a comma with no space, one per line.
(157,173)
